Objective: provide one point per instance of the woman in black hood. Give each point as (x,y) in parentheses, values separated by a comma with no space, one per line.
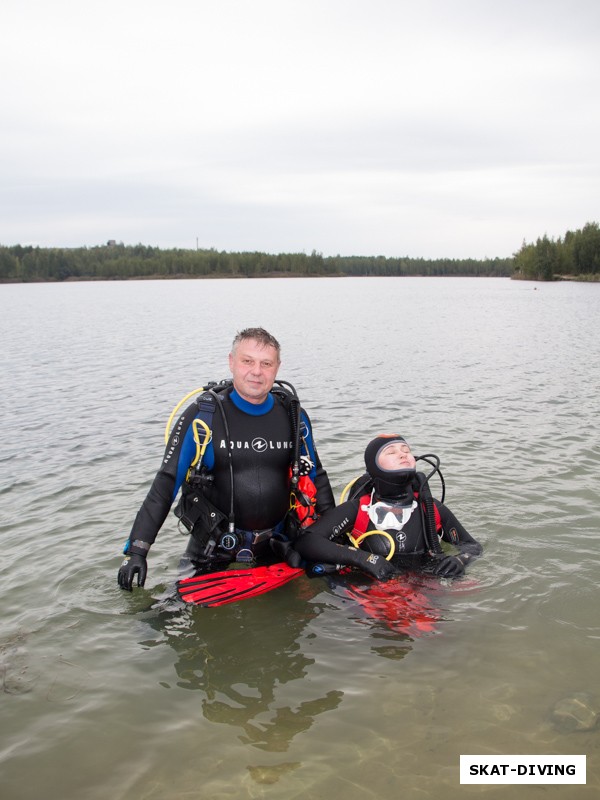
(390,521)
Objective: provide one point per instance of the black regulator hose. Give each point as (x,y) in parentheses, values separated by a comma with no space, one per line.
(434,462)
(427,505)
(428,516)
(219,402)
(295,407)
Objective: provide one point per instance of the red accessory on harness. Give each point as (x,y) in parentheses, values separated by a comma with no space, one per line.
(303,500)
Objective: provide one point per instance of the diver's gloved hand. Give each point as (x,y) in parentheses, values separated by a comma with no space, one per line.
(285,552)
(376,566)
(132,564)
(450,567)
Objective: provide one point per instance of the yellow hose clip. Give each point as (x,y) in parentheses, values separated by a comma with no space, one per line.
(200,445)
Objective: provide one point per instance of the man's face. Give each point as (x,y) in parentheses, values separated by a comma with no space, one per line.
(254,369)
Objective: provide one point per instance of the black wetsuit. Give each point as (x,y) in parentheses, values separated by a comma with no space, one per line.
(326,541)
(260,446)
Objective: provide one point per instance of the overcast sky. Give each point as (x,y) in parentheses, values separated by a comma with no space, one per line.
(424,128)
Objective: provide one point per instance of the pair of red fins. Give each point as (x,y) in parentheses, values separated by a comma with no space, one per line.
(399,605)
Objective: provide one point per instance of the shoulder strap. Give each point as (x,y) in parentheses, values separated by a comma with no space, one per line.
(202,427)
(202,422)
(212,385)
(290,401)
(361,522)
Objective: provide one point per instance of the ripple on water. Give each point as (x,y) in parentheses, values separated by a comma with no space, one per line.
(98,675)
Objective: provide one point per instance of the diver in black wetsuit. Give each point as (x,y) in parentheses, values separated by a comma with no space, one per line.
(392,521)
(235,496)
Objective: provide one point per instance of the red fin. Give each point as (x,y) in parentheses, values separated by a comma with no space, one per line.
(229,586)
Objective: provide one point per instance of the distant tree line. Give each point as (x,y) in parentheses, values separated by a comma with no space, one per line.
(116,261)
(577,255)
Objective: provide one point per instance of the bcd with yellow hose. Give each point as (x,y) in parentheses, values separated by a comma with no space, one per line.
(194,510)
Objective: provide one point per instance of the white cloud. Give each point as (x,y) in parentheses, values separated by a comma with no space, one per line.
(426,129)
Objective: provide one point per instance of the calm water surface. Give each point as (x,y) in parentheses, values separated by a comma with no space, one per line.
(297,693)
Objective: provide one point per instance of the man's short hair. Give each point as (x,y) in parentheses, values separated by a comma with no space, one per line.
(260,335)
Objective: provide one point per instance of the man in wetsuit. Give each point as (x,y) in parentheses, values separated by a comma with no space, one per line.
(393,520)
(238,504)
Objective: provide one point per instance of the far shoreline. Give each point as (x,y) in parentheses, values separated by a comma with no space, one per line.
(286,275)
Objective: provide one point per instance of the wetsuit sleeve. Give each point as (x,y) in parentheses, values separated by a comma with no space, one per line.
(316,544)
(325,498)
(178,456)
(455,533)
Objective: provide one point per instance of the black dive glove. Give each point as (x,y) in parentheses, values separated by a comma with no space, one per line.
(376,566)
(285,552)
(450,567)
(131,565)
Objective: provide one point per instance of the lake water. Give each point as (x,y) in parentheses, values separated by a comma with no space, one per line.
(298,693)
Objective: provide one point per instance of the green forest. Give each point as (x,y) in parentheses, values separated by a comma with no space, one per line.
(575,256)
(124,262)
